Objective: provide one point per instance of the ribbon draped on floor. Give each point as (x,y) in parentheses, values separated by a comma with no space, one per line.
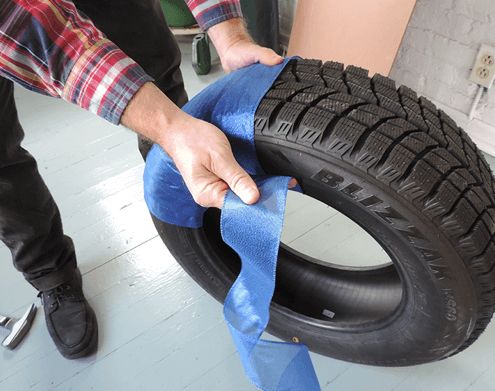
(252,231)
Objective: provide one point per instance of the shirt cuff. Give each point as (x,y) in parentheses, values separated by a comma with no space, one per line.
(103,80)
(210,16)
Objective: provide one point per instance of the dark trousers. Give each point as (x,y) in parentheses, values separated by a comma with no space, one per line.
(30,223)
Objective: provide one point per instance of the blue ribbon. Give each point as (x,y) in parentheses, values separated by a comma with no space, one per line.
(252,231)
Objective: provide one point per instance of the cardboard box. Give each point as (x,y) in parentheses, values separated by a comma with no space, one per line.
(358,32)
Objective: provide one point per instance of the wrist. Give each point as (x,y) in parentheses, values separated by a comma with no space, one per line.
(153,115)
(172,127)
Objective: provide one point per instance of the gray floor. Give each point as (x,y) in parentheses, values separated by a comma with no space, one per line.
(158,329)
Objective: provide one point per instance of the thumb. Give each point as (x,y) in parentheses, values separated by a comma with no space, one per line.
(268,57)
(237,179)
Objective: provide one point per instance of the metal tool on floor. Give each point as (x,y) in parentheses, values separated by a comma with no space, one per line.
(18,328)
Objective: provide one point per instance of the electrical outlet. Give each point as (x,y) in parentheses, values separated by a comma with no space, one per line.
(484,67)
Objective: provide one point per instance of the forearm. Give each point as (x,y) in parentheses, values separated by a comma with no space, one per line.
(48,47)
(152,114)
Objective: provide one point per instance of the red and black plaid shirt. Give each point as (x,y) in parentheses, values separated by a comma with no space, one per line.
(48,47)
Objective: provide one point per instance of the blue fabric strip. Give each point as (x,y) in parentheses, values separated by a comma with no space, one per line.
(252,231)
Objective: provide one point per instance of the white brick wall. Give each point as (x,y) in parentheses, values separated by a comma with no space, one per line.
(437,54)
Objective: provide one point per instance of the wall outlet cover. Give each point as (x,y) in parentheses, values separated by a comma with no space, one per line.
(483,72)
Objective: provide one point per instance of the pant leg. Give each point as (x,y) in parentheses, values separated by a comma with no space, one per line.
(30,223)
(139,28)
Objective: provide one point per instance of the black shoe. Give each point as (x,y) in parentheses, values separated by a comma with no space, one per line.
(70,320)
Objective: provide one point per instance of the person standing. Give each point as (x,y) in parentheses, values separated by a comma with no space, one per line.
(119,60)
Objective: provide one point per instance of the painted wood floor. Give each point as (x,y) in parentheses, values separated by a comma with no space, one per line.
(158,329)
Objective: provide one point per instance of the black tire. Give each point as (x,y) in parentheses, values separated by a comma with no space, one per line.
(408,175)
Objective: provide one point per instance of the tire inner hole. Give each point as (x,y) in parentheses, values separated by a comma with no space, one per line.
(330,270)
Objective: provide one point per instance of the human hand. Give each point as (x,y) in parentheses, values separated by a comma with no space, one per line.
(236,48)
(200,150)
(202,154)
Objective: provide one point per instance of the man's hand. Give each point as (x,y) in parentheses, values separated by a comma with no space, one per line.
(203,156)
(236,48)
(200,151)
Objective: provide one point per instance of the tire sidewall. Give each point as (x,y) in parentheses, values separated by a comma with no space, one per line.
(439,307)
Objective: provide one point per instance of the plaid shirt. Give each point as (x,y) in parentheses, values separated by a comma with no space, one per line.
(48,47)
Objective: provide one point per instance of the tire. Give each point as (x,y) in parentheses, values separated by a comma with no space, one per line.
(404,172)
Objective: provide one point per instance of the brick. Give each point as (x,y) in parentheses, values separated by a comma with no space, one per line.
(474,9)
(438,51)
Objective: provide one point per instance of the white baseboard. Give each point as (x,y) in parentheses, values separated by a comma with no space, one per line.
(485,140)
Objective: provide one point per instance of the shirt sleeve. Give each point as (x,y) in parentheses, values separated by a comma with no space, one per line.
(210,12)
(48,47)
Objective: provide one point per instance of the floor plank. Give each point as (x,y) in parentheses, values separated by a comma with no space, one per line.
(340,241)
